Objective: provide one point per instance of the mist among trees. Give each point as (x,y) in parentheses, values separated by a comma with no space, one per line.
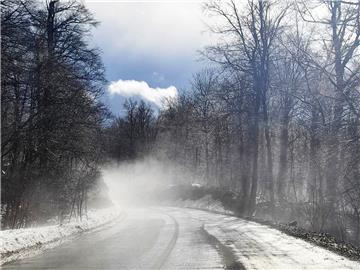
(274,118)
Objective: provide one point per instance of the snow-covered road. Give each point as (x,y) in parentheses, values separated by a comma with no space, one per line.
(259,247)
(178,238)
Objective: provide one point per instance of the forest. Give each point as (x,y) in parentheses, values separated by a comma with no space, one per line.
(273,117)
(51,115)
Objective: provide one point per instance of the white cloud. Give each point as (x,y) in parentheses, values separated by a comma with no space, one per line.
(132,88)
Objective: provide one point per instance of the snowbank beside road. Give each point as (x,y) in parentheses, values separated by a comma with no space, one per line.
(326,241)
(21,243)
(259,247)
(250,245)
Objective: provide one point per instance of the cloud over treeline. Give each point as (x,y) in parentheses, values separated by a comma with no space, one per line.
(141,89)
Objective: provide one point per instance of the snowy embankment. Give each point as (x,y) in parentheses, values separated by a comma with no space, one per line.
(20,243)
(313,238)
(257,246)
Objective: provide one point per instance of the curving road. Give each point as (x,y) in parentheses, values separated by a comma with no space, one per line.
(143,239)
(176,238)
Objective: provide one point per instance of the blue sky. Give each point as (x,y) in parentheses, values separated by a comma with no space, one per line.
(153,42)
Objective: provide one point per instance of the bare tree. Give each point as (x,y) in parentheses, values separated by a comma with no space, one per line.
(248,49)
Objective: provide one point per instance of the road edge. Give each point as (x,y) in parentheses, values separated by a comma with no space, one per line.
(39,247)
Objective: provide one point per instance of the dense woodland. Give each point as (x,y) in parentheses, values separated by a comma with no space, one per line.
(275,117)
(51,117)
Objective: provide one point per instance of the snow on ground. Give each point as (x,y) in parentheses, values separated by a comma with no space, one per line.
(260,247)
(257,246)
(20,243)
(205,203)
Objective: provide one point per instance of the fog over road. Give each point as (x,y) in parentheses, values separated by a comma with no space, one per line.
(177,238)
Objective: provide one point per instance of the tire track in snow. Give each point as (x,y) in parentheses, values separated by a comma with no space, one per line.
(170,246)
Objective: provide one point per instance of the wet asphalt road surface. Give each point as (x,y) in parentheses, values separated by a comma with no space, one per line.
(140,239)
(182,238)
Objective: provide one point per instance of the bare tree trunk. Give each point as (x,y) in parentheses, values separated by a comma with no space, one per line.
(314,181)
(255,155)
(269,174)
(333,162)
(283,160)
(245,166)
